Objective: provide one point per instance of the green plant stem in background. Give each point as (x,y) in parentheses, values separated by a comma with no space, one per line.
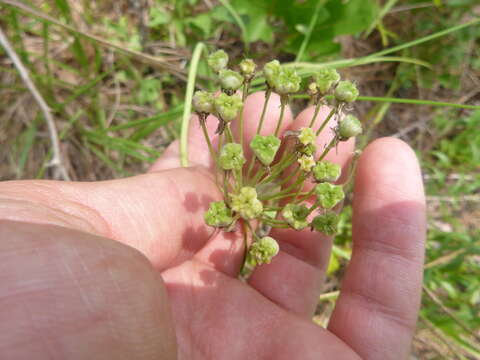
(311,27)
(192,75)
(237,19)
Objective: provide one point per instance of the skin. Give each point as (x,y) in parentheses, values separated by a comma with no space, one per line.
(126,269)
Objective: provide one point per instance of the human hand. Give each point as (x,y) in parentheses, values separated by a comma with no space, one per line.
(70,292)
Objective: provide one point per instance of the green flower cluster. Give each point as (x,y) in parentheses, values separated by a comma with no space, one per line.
(274,180)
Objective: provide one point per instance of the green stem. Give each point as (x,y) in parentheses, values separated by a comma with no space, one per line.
(250,167)
(282,114)
(207,138)
(278,168)
(268,93)
(229,133)
(315,115)
(289,177)
(325,122)
(306,196)
(328,148)
(244,96)
(299,181)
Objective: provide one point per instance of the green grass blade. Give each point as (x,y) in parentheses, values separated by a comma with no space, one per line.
(192,75)
(159,119)
(311,26)
(237,19)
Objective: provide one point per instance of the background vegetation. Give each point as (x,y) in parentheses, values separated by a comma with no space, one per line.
(114,76)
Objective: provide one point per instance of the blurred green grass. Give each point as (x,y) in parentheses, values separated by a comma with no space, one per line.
(114,74)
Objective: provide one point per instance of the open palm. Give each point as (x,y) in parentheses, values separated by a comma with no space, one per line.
(71,297)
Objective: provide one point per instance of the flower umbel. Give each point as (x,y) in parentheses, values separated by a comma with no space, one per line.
(329,195)
(228,106)
(231,157)
(263,174)
(218,215)
(246,203)
(263,251)
(265,148)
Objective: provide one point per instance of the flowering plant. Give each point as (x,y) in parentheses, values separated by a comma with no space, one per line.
(267,191)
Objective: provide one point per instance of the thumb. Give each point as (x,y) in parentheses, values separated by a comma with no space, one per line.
(159,213)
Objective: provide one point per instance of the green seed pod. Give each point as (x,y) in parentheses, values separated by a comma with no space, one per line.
(265,148)
(306,163)
(262,251)
(287,81)
(218,60)
(326,171)
(346,91)
(228,106)
(218,215)
(326,223)
(329,195)
(246,203)
(247,68)
(271,71)
(231,157)
(203,102)
(349,127)
(307,136)
(296,216)
(230,80)
(326,79)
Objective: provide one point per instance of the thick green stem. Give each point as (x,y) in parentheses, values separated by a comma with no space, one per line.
(268,93)
(325,122)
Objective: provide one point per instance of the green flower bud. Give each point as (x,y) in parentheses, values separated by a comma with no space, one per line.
(263,251)
(203,102)
(265,148)
(312,89)
(296,216)
(306,163)
(308,150)
(307,136)
(349,127)
(248,67)
(246,203)
(326,171)
(287,81)
(230,80)
(271,71)
(326,79)
(326,223)
(228,106)
(218,60)
(346,91)
(218,215)
(329,195)
(231,157)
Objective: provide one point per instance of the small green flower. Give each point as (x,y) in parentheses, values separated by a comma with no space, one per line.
(329,195)
(271,71)
(326,223)
(306,163)
(265,148)
(218,215)
(326,79)
(230,80)
(203,102)
(231,157)
(287,81)
(307,136)
(308,150)
(247,68)
(246,203)
(218,60)
(326,171)
(228,106)
(312,89)
(296,216)
(349,127)
(262,251)
(346,91)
